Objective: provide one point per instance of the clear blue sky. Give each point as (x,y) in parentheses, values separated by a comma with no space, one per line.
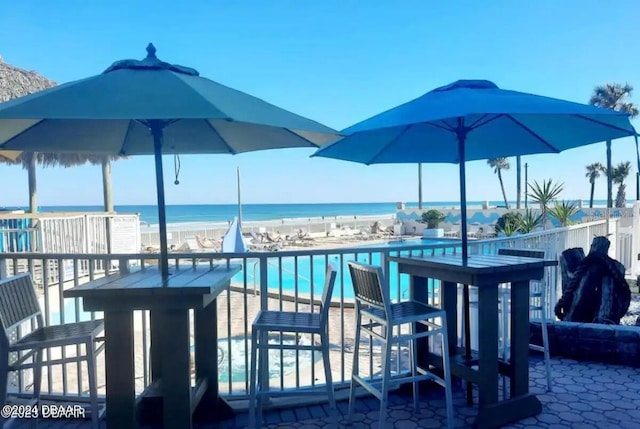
(337,62)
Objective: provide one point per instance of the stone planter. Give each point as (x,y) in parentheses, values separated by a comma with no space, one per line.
(433,232)
(615,344)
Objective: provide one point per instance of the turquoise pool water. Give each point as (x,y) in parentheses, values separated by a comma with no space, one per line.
(310,271)
(305,276)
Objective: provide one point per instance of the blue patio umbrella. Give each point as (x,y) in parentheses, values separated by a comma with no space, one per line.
(471,120)
(151,107)
(232,241)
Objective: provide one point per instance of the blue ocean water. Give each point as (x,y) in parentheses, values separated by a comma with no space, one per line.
(256,212)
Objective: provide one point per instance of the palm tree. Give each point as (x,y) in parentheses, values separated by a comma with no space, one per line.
(499,164)
(16,82)
(543,194)
(618,175)
(593,172)
(615,96)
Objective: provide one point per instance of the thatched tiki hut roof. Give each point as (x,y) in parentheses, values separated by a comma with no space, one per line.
(16,82)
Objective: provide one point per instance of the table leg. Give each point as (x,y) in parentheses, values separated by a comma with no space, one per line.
(176,380)
(449,294)
(210,407)
(520,338)
(488,345)
(156,345)
(419,292)
(119,369)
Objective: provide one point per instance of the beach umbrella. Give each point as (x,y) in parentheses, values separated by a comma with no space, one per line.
(232,241)
(472,120)
(16,82)
(150,107)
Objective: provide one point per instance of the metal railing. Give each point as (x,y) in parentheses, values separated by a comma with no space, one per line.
(287,280)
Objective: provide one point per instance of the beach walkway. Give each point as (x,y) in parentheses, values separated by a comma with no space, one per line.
(586,395)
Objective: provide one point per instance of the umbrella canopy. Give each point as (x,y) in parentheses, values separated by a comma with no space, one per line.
(113,113)
(152,107)
(471,120)
(232,241)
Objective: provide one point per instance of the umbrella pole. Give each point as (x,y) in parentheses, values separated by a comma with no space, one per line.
(465,256)
(156,131)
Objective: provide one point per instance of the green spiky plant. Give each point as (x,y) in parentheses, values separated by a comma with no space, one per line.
(544,193)
(509,223)
(530,221)
(563,211)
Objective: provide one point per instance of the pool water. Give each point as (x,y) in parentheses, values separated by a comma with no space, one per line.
(309,281)
(236,365)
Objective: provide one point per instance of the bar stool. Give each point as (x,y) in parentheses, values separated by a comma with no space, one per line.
(294,323)
(377,317)
(537,303)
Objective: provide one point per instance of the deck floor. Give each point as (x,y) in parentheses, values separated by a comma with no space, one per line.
(585,395)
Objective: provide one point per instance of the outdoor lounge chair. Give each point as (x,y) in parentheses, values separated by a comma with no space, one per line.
(272,239)
(256,238)
(19,305)
(207,243)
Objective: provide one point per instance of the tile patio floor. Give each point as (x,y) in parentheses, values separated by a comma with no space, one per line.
(585,395)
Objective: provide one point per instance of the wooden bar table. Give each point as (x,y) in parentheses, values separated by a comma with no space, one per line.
(169,301)
(486,272)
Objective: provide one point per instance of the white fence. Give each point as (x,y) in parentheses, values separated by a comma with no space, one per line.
(286,280)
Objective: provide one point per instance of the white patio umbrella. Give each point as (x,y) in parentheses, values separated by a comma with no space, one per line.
(152,107)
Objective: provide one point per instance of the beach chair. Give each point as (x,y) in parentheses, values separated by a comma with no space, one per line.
(272,239)
(206,243)
(18,306)
(256,238)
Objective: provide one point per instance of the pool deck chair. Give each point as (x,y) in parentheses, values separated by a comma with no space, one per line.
(19,305)
(377,317)
(289,322)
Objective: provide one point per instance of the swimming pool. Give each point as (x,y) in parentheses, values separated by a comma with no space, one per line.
(305,275)
(233,367)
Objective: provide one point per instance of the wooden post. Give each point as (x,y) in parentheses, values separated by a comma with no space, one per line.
(106,185)
(33,191)
(108,198)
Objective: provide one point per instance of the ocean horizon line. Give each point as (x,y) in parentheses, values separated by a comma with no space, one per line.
(250,212)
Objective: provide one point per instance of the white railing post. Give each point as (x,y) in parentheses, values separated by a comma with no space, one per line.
(635,238)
